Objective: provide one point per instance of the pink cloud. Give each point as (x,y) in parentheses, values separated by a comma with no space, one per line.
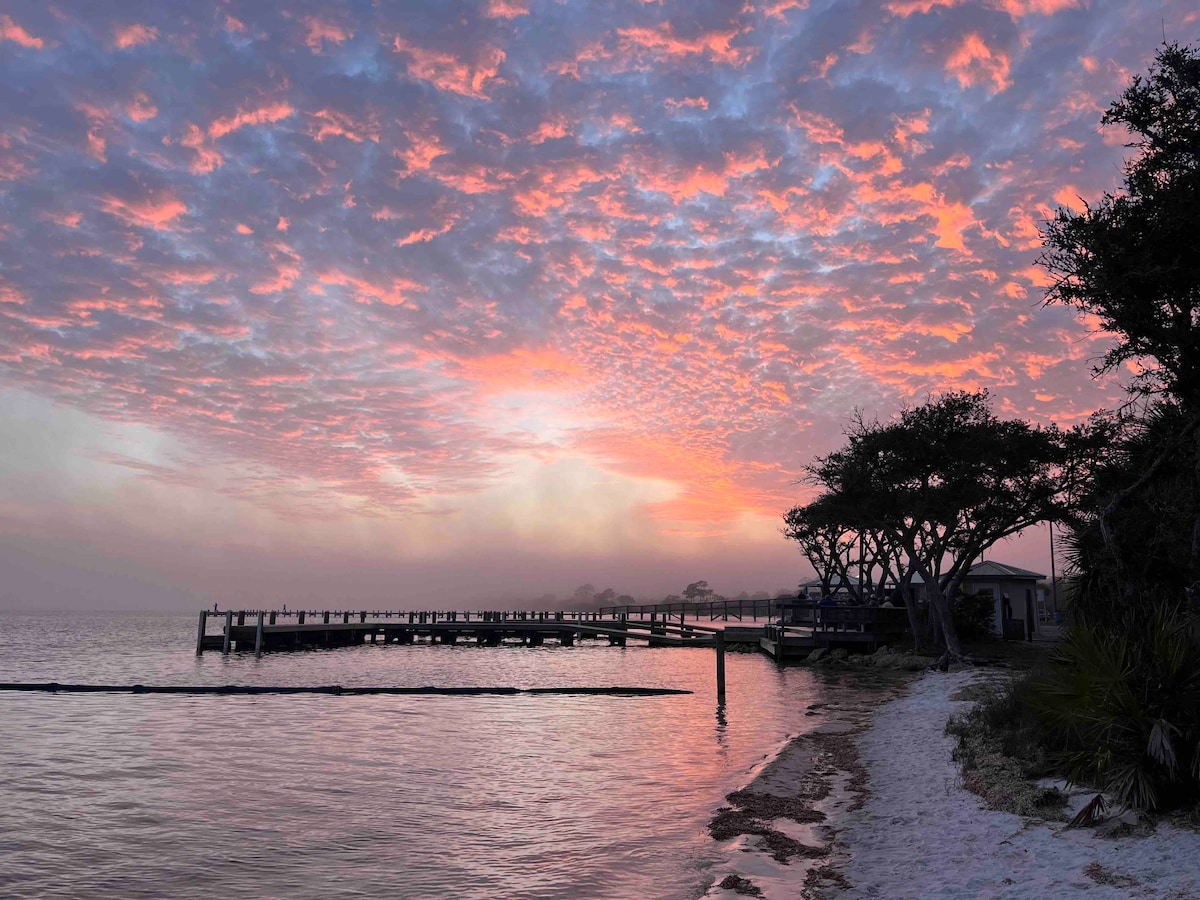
(11,31)
(663,41)
(207,158)
(392,293)
(141,108)
(506,9)
(904,8)
(267,114)
(974,62)
(673,105)
(334,123)
(130,36)
(319,32)
(448,72)
(424,235)
(1020,8)
(779,8)
(156,214)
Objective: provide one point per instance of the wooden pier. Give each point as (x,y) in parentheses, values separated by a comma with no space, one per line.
(810,627)
(265,630)
(854,628)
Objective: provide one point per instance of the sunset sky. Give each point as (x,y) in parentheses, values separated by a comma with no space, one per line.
(446,303)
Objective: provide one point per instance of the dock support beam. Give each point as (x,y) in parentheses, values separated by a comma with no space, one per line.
(720,645)
(200,631)
(228,631)
(258,636)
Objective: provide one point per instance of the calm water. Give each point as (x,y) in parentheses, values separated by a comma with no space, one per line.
(297,796)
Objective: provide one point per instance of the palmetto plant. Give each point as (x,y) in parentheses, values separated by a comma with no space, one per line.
(1121,704)
(1121,707)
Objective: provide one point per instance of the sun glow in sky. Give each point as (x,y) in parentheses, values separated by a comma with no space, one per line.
(410,302)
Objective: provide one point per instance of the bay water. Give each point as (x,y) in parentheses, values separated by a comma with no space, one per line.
(300,796)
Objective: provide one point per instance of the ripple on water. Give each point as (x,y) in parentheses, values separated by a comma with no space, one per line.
(319,796)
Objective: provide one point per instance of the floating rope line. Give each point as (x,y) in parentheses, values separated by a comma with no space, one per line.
(336,690)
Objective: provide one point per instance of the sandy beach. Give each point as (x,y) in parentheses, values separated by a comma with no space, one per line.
(897,823)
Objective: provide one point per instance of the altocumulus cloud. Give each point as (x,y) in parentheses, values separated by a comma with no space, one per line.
(350,243)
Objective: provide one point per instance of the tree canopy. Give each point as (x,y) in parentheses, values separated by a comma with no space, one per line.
(937,486)
(1131,258)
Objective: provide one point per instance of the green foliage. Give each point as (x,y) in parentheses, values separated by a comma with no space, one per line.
(1121,706)
(974,615)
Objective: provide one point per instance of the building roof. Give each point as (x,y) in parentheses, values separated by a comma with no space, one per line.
(992,569)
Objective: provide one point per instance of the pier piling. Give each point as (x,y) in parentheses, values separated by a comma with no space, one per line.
(228,631)
(200,632)
(258,636)
(719,641)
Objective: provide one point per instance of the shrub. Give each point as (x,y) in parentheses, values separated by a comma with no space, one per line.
(1000,751)
(1121,706)
(973,615)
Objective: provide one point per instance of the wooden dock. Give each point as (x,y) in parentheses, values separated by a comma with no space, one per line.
(266,630)
(854,628)
(259,631)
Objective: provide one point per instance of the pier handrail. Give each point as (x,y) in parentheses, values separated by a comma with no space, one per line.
(713,608)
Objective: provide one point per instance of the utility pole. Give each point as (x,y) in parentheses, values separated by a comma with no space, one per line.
(1053,576)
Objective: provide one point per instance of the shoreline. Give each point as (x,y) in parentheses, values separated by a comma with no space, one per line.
(896,821)
(778,832)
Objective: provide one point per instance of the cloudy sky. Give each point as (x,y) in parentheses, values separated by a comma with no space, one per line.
(411,302)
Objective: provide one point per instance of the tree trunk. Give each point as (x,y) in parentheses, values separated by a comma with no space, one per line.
(910,604)
(941,610)
(1193,588)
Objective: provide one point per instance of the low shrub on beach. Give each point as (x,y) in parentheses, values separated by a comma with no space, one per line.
(1117,709)
(1120,708)
(1000,752)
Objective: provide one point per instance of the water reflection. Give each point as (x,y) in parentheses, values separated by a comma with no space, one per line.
(322,796)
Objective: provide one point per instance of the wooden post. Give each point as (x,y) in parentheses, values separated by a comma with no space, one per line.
(200,632)
(300,618)
(362,617)
(720,643)
(272,617)
(228,630)
(346,618)
(326,622)
(258,636)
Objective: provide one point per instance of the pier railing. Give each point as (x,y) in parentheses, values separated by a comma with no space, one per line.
(712,609)
(286,629)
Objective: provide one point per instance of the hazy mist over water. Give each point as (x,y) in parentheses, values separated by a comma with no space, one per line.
(149,796)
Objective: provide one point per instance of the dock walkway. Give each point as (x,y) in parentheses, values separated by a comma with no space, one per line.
(274,630)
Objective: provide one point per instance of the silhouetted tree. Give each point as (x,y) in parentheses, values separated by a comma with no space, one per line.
(1132,261)
(942,483)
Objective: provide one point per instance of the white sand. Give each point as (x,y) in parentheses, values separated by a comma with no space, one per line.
(920,834)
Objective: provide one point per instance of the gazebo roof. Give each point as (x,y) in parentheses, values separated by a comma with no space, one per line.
(992,569)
